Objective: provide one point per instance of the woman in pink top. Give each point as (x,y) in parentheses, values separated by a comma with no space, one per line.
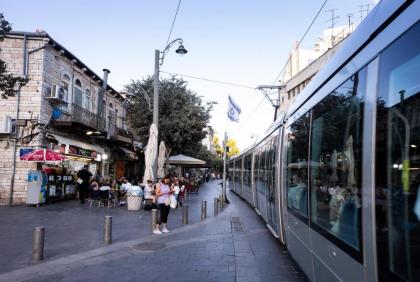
(163,192)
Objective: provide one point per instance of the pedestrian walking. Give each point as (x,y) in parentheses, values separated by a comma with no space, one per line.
(84,176)
(163,192)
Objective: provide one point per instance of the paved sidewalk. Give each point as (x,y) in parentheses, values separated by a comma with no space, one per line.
(234,246)
(72,228)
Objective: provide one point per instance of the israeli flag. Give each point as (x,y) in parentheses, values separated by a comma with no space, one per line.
(233,110)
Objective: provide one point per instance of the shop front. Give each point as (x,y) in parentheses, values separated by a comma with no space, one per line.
(62,176)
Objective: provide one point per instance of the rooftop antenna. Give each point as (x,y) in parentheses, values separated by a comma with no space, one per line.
(363,8)
(349,16)
(333,22)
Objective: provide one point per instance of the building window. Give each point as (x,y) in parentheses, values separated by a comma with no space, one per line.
(78,93)
(288,95)
(65,81)
(86,99)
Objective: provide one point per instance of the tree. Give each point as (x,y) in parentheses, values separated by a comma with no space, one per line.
(182,114)
(8,81)
(233,148)
(231,143)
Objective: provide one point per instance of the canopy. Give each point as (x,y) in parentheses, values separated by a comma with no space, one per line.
(42,155)
(67,141)
(161,159)
(150,153)
(185,160)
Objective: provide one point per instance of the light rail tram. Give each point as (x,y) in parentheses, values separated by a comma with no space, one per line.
(337,177)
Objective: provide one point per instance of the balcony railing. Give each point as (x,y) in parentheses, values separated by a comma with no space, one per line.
(115,129)
(85,117)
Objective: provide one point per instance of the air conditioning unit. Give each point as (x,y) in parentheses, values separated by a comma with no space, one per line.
(6,126)
(57,93)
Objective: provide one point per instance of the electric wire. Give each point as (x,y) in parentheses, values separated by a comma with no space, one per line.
(210,80)
(300,41)
(173,23)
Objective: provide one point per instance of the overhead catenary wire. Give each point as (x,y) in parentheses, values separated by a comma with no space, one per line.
(300,41)
(210,80)
(173,23)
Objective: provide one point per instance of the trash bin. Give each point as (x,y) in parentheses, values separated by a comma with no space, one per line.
(134,202)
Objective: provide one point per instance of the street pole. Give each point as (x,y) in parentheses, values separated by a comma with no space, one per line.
(156,108)
(224,169)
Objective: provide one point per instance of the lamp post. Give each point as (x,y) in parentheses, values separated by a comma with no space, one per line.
(159,57)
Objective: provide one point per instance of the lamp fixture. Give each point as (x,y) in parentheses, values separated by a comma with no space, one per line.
(181,50)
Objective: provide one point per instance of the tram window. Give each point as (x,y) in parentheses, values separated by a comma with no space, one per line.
(398,160)
(297,166)
(336,161)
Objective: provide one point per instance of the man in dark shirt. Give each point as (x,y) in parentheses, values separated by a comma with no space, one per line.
(85,175)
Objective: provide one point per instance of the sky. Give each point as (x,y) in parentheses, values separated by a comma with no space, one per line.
(238,41)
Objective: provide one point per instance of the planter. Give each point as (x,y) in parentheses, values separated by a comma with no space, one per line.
(134,202)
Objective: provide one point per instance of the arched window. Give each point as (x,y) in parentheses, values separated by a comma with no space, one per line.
(111,114)
(86,99)
(65,81)
(117,118)
(78,93)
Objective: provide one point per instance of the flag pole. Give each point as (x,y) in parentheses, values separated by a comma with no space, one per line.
(224,168)
(224,160)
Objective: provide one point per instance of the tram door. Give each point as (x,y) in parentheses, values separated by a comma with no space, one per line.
(270,171)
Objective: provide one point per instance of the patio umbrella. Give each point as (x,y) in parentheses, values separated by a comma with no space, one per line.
(150,153)
(43,155)
(161,159)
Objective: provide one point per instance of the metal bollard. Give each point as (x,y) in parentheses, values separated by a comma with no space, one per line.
(187,196)
(220,208)
(203,210)
(185,214)
(154,218)
(216,207)
(38,236)
(108,230)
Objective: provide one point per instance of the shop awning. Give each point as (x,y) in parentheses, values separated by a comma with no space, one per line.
(67,141)
(129,153)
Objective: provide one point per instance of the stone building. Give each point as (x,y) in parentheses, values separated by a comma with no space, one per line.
(59,109)
(304,64)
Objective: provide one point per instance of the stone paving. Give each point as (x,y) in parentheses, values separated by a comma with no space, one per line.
(233,246)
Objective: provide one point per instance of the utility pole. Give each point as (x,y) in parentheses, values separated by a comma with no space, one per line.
(333,22)
(274,99)
(156,108)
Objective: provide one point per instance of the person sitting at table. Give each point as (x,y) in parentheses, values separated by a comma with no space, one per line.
(123,189)
(94,189)
(149,191)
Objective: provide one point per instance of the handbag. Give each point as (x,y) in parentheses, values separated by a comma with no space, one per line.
(173,201)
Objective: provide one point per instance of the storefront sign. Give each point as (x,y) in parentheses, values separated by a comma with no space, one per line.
(24,151)
(77,151)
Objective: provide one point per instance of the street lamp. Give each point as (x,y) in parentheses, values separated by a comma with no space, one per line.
(159,57)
